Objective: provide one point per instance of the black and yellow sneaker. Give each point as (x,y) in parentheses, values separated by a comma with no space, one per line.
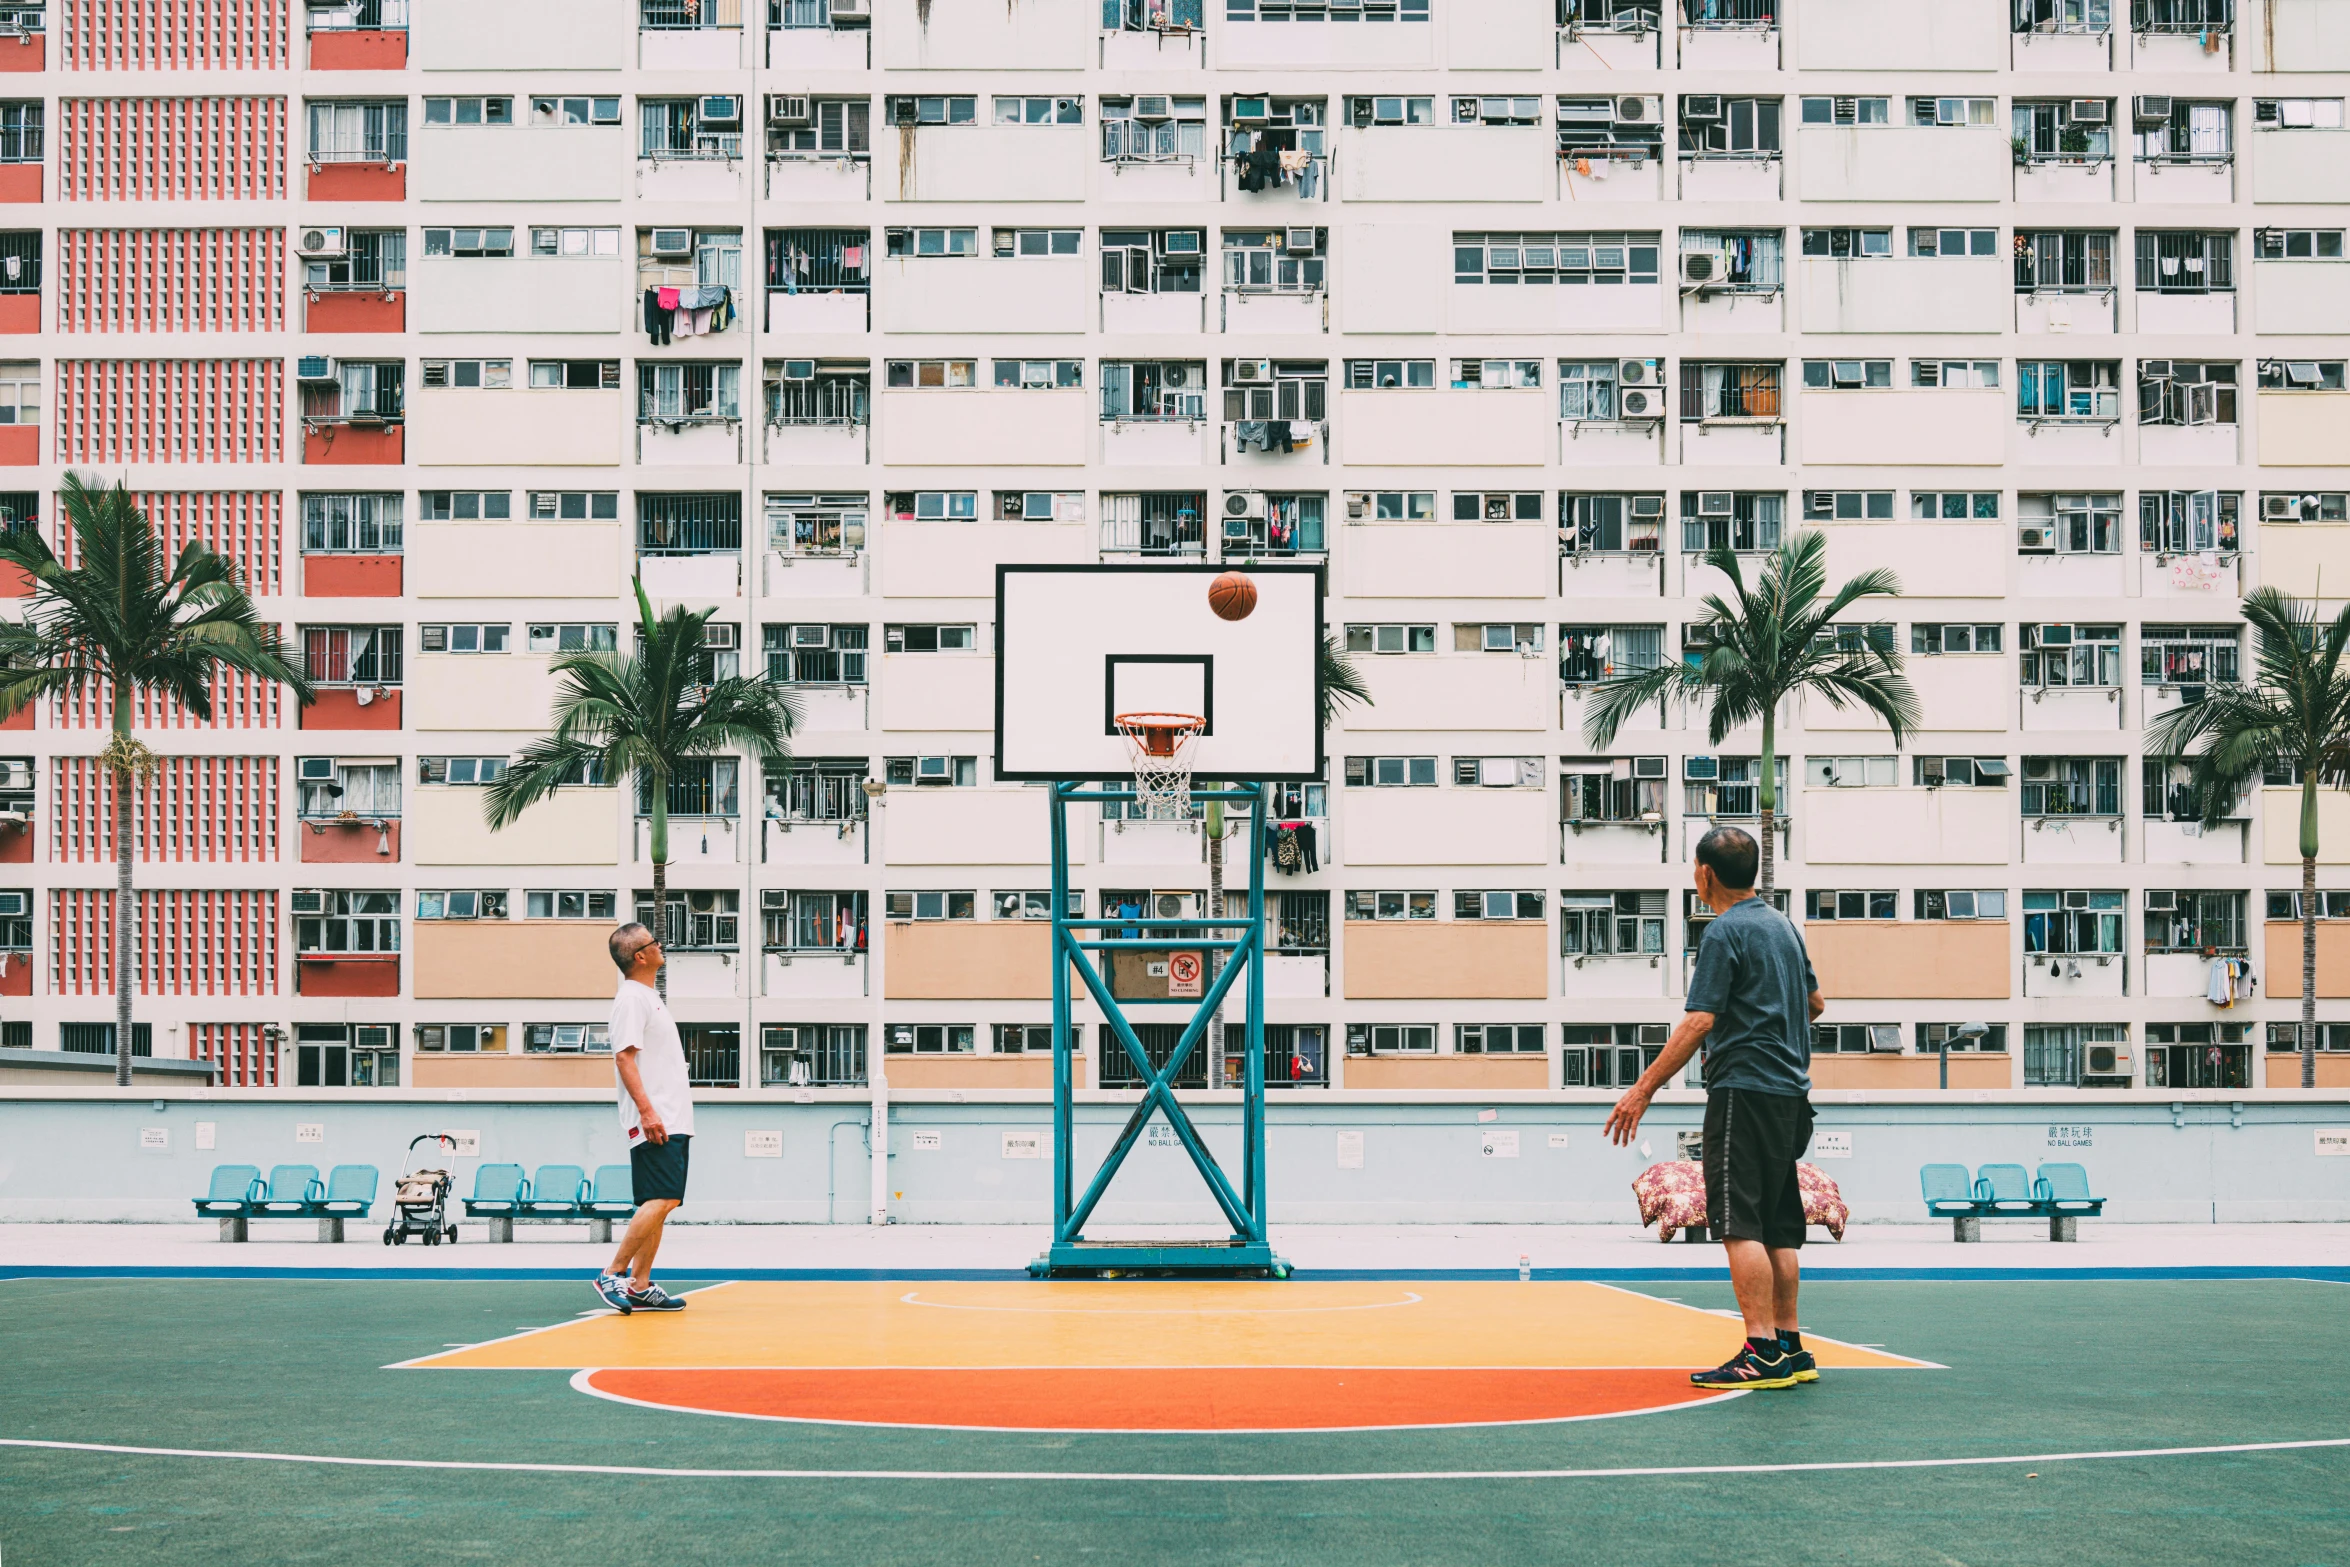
(1801,1366)
(1749,1369)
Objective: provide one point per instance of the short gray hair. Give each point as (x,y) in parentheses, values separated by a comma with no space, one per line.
(624,946)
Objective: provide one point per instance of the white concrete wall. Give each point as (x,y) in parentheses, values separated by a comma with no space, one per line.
(1898,293)
(1450,826)
(2301,297)
(460,691)
(1393,277)
(1907,826)
(1899,35)
(985,427)
(519,294)
(1026,35)
(1449,692)
(985,294)
(1902,162)
(938,693)
(983,162)
(521,35)
(968,827)
(465,427)
(2301,166)
(1468,560)
(1906,427)
(516,163)
(948,560)
(2298,35)
(1444,427)
(1290,46)
(1450,163)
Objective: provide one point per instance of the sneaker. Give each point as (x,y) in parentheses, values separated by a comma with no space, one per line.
(612,1290)
(654,1298)
(1802,1366)
(1748,1369)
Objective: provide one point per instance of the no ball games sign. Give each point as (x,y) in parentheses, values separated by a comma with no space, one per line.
(1185,974)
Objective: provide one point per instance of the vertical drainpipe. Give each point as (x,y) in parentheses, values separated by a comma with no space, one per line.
(876,1044)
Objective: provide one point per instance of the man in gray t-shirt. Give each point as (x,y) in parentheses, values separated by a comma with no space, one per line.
(1752,999)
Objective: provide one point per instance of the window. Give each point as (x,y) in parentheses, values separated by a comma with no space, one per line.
(1847,111)
(2186,133)
(463,505)
(339,132)
(469,242)
(2071,655)
(1391,772)
(1154,129)
(461,905)
(932,242)
(931,1039)
(1610,524)
(1987,903)
(931,505)
(1959,772)
(1711,392)
(933,109)
(1498,109)
(1593,653)
(1612,924)
(1732,794)
(1292,525)
(2287,1036)
(2188,655)
(2069,524)
(467,372)
(1152,261)
(811,1055)
(2297,114)
(1955,374)
(1039,111)
(346,923)
(572,504)
(2057,923)
(21,132)
(813,921)
(1497,506)
(1496,372)
(958,772)
(713,1053)
(929,639)
(1383,1039)
(1953,242)
(1856,1038)
(1537,259)
(1385,374)
(931,905)
(1497,905)
(2297,244)
(2301,375)
(466,637)
(2063,261)
(575,374)
(564,904)
(689,524)
(2183,392)
(1594,128)
(1846,374)
(574,242)
(371,259)
(1012,1039)
(95,1039)
(1390,639)
(1301,920)
(2183,521)
(1851,772)
(1713,126)
(1597,791)
(1391,505)
(2330,905)
(1391,905)
(931,372)
(351,524)
(826,790)
(1819,905)
(1848,505)
(1030,904)
(1154,524)
(672,393)
(361,393)
(1953,505)
(1263,261)
(2210,923)
(2166,792)
(1933,1037)
(2072,786)
(1845,244)
(1017,243)
(698,921)
(674,128)
(1934,637)
(1397,110)
(569,111)
(566,1038)
(2067,1055)
(2186,263)
(2080,391)
(460,770)
(331,1055)
(1734,520)
(1523,638)
(1149,16)
(1291,389)
(352,655)
(1039,374)
(2199,1055)
(818,391)
(700,786)
(1753,260)
(469,111)
(332,789)
(1587,388)
(2064,130)
(1495,1039)
(1610,1055)
(2320,506)
(574,637)
(1951,111)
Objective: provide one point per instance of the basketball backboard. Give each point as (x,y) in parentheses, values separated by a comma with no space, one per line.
(1077,645)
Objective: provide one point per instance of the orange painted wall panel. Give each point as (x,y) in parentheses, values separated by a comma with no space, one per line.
(348,977)
(20,182)
(343,310)
(338,708)
(16,973)
(16,844)
(351,576)
(2281,946)
(25,52)
(349,445)
(357,182)
(359,50)
(20,445)
(1403,960)
(1478,1073)
(1910,959)
(20,314)
(340,843)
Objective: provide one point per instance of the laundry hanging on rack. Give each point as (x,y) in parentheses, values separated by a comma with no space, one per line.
(2230,981)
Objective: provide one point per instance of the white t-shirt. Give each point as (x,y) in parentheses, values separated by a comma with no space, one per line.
(642,1024)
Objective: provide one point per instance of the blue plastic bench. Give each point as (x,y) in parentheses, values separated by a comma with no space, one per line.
(499,1191)
(350,1194)
(1950,1195)
(612,1195)
(292,1189)
(2005,1191)
(235,1188)
(556,1192)
(2063,1191)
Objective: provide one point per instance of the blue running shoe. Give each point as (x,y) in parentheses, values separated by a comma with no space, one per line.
(654,1298)
(612,1290)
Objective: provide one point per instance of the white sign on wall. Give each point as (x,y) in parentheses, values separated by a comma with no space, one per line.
(2333,1142)
(1024,1145)
(763,1145)
(928,1142)
(1831,1145)
(1501,1143)
(310,1131)
(158,1137)
(1350,1150)
(1558,1139)
(468,1144)
(1158,1135)
(204,1134)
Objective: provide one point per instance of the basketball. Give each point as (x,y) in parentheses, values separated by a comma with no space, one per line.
(1232,595)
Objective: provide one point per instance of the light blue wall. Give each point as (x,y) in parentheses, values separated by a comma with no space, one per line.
(1423,1163)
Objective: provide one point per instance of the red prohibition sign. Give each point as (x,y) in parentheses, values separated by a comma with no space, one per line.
(1183,968)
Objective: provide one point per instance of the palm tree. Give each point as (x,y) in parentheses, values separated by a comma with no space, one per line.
(128,618)
(1764,646)
(637,718)
(2294,715)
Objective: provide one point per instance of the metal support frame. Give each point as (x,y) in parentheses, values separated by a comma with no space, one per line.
(1075,938)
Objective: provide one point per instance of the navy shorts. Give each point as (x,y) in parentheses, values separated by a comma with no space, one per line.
(657,1170)
(1752,1141)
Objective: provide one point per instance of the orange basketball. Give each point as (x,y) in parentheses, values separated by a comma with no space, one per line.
(1232,595)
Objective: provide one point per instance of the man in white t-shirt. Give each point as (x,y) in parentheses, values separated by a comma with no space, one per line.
(656,1116)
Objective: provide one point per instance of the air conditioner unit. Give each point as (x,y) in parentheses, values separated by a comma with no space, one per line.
(933,769)
(322,244)
(2150,109)
(2154,369)
(1242,505)
(14,905)
(2089,111)
(2107,1061)
(314,367)
(1152,106)
(1648,767)
(1716,503)
(811,636)
(1179,242)
(2076,900)
(2161,901)
(1703,268)
(1247,372)
(308,903)
(2268,112)
(905,111)
(1932,771)
(1638,372)
(1174,375)
(1251,111)
(673,242)
(1819,503)
(787,109)
(1648,506)
(2280,508)
(1701,769)
(1634,110)
(720,109)
(851,11)
(2053,636)
(316,769)
(1640,403)
(2042,538)
(721,636)
(1701,106)
(1300,239)
(798,370)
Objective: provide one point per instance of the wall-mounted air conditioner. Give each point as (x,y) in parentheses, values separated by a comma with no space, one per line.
(314,368)
(721,636)
(2041,538)
(1294,240)
(321,244)
(316,769)
(1716,503)
(1251,111)
(1701,106)
(1642,403)
(851,11)
(673,242)
(798,370)
(1702,269)
(2150,109)
(2279,508)
(1247,372)
(934,769)
(1243,505)
(787,109)
(1640,372)
(1701,769)
(1634,109)
(720,109)
(1152,106)
(1179,242)
(1648,767)
(2089,111)
(1648,506)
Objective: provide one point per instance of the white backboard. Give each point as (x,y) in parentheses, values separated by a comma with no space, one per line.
(1076,645)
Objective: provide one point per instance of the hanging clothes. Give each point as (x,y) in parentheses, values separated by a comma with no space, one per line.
(658,317)
(1305,845)
(1288,856)
(1277,435)
(1307,179)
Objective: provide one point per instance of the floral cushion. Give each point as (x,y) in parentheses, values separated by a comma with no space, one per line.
(1672,1197)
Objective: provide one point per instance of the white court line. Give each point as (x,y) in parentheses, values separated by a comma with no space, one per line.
(1176,1478)
(581,1383)
(910,1298)
(1713,1311)
(426,1360)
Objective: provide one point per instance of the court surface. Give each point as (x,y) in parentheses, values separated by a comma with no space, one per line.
(1405,1419)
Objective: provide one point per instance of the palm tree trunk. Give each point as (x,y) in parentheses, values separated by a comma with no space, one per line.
(2309,927)
(660,851)
(1767,803)
(126,914)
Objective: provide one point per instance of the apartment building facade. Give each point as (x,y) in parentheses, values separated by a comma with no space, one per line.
(444,321)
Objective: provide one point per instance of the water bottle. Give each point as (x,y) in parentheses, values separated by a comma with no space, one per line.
(1525,1269)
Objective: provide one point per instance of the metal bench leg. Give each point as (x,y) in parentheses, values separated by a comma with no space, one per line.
(330,1228)
(600,1231)
(502,1230)
(2064,1227)
(233,1229)
(1965,1228)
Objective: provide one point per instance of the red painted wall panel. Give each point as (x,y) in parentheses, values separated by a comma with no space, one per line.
(25,52)
(20,445)
(348,445)
(192,808)
(16,844)
(351,576)
(358,50)
(241,1051)
(19,313)
(117,411)
(357,182)
(344,311)
(171,280)
(191,942)
(15,582)
(354,843)
(171,149)
(16,968)
(239,701)
(20,182)
(348,977)
(338,707)
(174,35)
(22,718)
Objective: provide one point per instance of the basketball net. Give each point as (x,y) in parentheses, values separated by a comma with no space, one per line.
(1158,749)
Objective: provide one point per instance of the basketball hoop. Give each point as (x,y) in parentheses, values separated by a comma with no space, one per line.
(1158,746)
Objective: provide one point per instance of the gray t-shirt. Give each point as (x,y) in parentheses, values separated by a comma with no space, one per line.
(1755,978)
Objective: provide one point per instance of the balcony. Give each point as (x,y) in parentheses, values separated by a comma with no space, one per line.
(1900,35)
(694,840)
(690,35)
(1028,35)
(1730,35)
(358,35)
(815,975)
(2081,312)
(2095,976)
(802,36)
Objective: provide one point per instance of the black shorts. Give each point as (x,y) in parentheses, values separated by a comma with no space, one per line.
(658,1169)
(1752,1141)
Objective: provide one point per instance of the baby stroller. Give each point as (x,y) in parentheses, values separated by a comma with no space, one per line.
(420,1200)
